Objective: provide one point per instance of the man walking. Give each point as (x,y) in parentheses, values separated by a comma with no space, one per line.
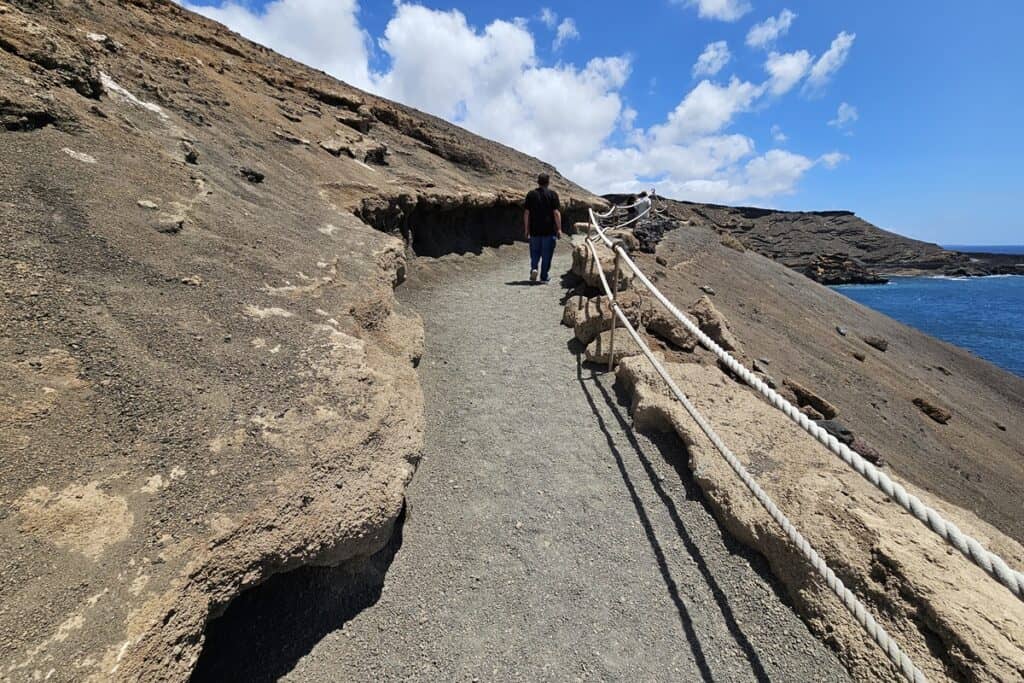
(542,223)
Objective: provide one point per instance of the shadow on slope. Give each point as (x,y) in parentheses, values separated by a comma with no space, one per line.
(266,630)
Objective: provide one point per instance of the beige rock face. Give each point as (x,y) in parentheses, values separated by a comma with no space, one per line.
(601,349)
(713,324)
(590,317)
(584,266)
(948,615)
(198,397)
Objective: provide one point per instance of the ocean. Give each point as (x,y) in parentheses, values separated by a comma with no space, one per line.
(984,315)
(986,249)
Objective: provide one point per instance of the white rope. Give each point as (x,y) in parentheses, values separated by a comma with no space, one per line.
(849,600)
(994,565)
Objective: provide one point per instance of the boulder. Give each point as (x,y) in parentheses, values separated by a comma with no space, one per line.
(600,349)
(806,397)
(627,237)
(590,317)
(667,327)
(935,412)
(714,324)
(880,343)
(838,430)
(584,266)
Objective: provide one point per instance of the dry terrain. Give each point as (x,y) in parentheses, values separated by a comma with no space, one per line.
(206,379)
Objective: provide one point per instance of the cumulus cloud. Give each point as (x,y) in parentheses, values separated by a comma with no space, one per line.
(845,115)
(707,108)
(715,56)
(831,61)
(765,34)
(777,134)
(566,31)
(490,80)
(723,10)
(323,33)
(833,159)
(786,70)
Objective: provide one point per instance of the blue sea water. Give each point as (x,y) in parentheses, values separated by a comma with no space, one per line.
(984,315)
(986,249)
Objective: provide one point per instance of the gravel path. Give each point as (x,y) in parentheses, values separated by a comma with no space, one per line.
(544,540)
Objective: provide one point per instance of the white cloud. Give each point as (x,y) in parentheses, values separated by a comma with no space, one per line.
(777,134)
(831,61)
(706,109)
(322,33)
(490,80)
(786,70)
(765,34)
(566,31)
(833,159)
(846,114)
(715,56)
(723,10)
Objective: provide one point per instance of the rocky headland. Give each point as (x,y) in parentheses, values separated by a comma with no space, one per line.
(835,247)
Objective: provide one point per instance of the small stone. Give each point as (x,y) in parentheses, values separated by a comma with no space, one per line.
(859,356)
(764,361)
(661,261)
(707,289)
(147,204)
(252,175)
(841,331)
(227,338)
(192,280)
(879,343)
(191,155)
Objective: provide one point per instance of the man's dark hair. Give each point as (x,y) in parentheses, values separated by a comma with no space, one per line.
(543,179)
(644,193)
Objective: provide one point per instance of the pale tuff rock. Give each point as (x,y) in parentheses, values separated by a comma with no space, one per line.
(666,326)
(590,317)
(807,398)
(583,265)
(600,350)
(714,324)
(948,615)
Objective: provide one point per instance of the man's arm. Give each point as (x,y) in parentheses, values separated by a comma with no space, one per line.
(526,223)
(558,222)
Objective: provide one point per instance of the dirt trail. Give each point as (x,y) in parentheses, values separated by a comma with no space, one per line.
(544,540)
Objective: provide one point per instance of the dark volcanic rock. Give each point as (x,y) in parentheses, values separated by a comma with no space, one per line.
(935,412)
(840,269)
(798,239)
(879,343)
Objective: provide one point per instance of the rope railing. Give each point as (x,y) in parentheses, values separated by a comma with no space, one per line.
(972,549)
(849,600)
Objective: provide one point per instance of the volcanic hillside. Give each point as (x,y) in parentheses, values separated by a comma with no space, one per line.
(205,379)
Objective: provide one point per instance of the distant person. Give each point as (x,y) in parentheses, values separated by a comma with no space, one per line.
(630,207)
(542,223)
(643,204)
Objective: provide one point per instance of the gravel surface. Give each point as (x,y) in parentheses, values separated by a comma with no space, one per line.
(544,540)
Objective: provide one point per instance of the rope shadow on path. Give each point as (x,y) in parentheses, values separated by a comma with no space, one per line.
(691,547)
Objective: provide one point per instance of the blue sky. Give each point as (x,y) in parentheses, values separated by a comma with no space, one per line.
(924,98)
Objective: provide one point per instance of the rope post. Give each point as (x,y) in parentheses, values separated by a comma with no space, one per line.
(612,306)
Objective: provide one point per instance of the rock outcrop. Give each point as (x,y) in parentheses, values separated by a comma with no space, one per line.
(832,247)
(206,377)
(947,614)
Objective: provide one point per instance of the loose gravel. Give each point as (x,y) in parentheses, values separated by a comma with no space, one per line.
(544,539)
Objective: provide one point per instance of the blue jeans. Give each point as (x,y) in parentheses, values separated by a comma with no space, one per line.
(542,248)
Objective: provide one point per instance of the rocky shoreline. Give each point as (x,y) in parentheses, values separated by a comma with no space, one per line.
(832,247)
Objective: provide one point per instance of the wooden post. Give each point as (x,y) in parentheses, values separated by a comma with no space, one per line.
(611,304)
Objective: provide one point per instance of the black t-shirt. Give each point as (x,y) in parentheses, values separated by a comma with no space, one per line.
(542,204)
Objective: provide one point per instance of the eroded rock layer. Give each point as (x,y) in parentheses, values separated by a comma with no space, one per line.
(205,376)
